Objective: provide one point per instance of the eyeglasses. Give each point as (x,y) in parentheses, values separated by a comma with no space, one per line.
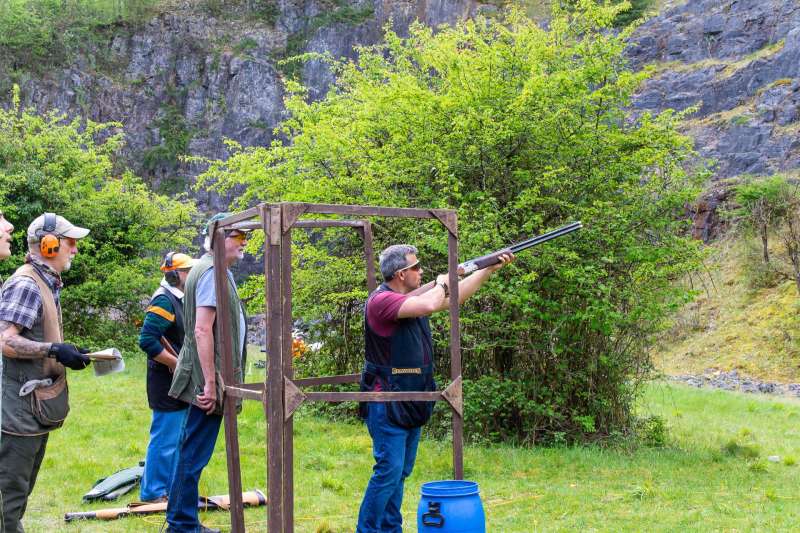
(416,267)
(238,236)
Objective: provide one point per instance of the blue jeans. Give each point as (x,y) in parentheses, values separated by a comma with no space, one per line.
(159,464)
(197,444)
(395,450)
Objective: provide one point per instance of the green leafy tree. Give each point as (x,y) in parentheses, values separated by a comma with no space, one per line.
(50,164)
(762,204)
(771,207)
(520,129)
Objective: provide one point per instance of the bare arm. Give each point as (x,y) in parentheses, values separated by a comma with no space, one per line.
(470,285)
(166,358)
(423,304)
(16,346)
(423,288)
(204,335)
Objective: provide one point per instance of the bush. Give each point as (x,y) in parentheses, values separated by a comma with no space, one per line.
(770,207)
(50,164)
(734,448)
(626,12)
(498,410)
(652,431)
(519,412)
(757,273)
(520,129)
(39,33)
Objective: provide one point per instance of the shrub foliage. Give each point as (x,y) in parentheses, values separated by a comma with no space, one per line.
(770,207)
(50,164)
(520,129)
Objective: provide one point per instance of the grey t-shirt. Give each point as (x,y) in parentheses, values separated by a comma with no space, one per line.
(206,296)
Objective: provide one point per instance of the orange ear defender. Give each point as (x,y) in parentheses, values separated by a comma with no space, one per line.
(168,261)
(169,274)
(49,244)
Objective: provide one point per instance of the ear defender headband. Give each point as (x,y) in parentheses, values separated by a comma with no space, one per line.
(170,275)
(49,245)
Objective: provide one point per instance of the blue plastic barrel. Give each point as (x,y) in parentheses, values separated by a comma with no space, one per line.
(450,507)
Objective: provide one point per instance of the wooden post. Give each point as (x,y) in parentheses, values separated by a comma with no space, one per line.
(369,256)
(455,346)
(273,406)
(288,427)
(224,333)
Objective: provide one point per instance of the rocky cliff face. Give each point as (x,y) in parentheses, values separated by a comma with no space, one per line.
(738,62)
(185,81)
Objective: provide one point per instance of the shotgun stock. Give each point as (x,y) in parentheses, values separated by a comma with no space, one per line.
(493,258)
(251,498)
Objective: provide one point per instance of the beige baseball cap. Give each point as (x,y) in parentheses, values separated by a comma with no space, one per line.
(57,225)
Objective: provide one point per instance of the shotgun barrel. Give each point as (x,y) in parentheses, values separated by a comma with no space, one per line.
(493,258)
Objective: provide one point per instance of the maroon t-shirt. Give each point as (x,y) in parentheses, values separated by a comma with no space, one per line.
(382,309)
(382,312)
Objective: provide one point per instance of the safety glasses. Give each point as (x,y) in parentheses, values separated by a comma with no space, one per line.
(413,266)
(238,236)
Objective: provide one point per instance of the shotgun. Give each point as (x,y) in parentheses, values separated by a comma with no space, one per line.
(493,258)
(253,498)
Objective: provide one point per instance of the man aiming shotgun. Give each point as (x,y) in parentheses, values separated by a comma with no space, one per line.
(399,357)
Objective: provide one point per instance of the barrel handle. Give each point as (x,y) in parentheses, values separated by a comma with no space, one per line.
(436,519)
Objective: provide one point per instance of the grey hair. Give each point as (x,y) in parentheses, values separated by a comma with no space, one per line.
(207,243)
(34,250)
(393,259)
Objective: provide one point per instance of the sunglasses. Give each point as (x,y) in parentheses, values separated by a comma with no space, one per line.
(415,267)
(241,237)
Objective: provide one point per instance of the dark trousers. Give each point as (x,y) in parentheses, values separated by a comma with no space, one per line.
(395,451)
(20,459)
(194,451)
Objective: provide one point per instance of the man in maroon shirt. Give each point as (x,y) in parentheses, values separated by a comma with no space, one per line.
(399,357)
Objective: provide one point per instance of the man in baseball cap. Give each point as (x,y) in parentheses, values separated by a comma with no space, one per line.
(34,356)
(161,339)
(61,227)
(199,369)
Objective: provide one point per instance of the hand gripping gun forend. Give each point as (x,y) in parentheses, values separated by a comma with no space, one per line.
(493,258)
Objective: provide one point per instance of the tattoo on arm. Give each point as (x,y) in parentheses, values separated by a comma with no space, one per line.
(18,347)
(26,349)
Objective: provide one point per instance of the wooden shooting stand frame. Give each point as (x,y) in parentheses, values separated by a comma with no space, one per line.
(281,394)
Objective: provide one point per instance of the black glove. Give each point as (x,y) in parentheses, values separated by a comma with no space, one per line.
(69,355)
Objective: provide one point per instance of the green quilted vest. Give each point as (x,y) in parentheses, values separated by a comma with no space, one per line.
(188,381)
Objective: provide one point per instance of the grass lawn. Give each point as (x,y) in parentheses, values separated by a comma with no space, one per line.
(714,474)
